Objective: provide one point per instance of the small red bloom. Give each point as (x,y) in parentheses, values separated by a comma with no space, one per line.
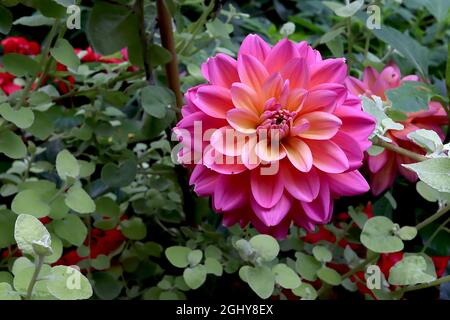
(20,45)
(7,83)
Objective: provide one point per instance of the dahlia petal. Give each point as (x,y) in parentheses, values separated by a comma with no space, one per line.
(383,179)
(351,149)
(310,55)
(299,153)
(266,189)
(319,100)
(204,180)
(329,70)
(370,76)
(302,186)
(255,46)
(322,125)
(284,51)
(228,141)
(213,100)
(349,183)
(376,163)
(252,72)
(273,215)
(242,120)
(356,123)
(230,193)
(327,156)
(221,70)
(220,163)
(319,210)
(297,71)
(269,150)
(355,86)
(244,97)
(408,174)
(273,86)
(249,157)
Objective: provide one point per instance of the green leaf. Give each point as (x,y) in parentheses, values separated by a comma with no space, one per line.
(5,21)
(332,34)
(178,256)
(195,277)
(134,228)
(261,280)
(22,118)
(79,201)
(377,235)
(307,266)
(428,139)
(119,176)
(322,254)
(29,230)
(67,283)
(434,172)
(106,287)
(407,233)
(30,202)
(101,262)
(438,8)
(410,96)
(36,20)
(306,291)
(213,266)
(57,250)
(6,291)
(285,276)
(411,270)
(67,165)
(86,168)
(194,257)
(20,65)
(71,229)
(345,11)
(12,145)
(107,207)
(7,222)
(111,27)
(329,276)
(64,53)
(212,251)
(407,46)
(431,194)
(265,246)
(156,100)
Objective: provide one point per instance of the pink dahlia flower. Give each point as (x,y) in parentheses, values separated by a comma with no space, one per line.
(385,166)
(274,136)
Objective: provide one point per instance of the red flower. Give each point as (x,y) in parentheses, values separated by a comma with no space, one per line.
(20,45)
(7,83)
(91,56)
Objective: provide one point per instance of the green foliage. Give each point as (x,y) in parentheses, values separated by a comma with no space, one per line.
(433,172)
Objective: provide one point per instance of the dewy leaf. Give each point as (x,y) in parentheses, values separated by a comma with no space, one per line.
(12,145)
(5,20)
(178,256)
(407,46)
(261,280)
(20,65)
(67,283)
(377,235)
(64,53)
(427,139)
(156,100)
(30,202)
(67,165)
(285,276)
(22,118)
(410,96)
(265,246)
(411,270)
(434,172)
(78,200)
(195,277)
(28,230)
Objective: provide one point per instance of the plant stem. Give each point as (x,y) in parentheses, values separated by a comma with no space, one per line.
(139,10)
(167,41)
(434,217)
(37,269)
(360,267)
(405,152)
(428,285)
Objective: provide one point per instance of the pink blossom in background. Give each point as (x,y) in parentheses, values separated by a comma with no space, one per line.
(321,129)
(385,166)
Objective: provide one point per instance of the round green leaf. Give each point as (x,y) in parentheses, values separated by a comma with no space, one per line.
(306,291)
(194,257)
(195,277)
(261,280)
(377,235)
(407,233)
(29,230)
(329,276)
(64,53)
(156,100)
(79,201)
(20,65)
(12,145)
(7,292)
(307,266)
(57,250)
(134,229)
(67,283)
(30,202)
(411,270)
(285,276)
(67,165)
(7,221)
(213,266)
(106,287)
(265,246)
(22,118)
(178,256)
(71,229)
(322,254)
